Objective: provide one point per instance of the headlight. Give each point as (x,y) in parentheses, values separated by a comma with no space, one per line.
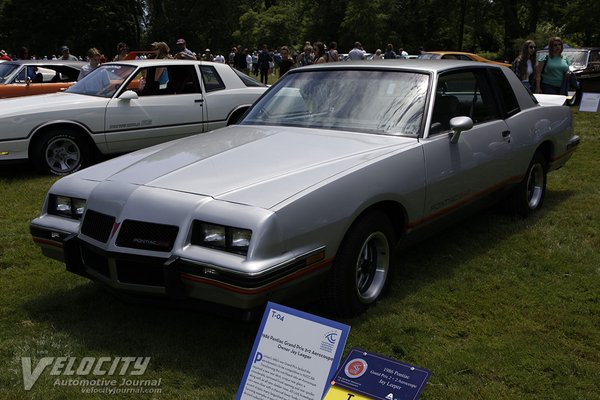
(69,207)
(220,237)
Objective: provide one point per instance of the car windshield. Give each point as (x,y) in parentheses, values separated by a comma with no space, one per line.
(6,70)
(429,56)
(577,58)
(104,81)
(373,101)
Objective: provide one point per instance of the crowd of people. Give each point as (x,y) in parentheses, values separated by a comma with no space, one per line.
(549,75)
(259,62)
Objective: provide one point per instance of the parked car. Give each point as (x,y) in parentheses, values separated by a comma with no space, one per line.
(312,190)
(121,107)
(29,77)
(458,55)
(585,64)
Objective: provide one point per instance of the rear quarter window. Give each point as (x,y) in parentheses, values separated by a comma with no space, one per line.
(211,79)
(506,96)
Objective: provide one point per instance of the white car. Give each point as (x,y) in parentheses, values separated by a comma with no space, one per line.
(121,107)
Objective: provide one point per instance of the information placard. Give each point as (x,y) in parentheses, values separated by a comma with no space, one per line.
(377,377)
(294,356)
(589,102)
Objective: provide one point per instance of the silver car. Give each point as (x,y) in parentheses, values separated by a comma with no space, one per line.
(312,190)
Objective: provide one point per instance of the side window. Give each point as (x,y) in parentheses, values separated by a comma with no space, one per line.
(508,100)
(165,80)
(211,79)
(463,93)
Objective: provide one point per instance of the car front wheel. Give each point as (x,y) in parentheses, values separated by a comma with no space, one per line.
(61,153)
(361,269)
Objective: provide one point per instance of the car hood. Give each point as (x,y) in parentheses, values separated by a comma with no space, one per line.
(259,166)
(44,102)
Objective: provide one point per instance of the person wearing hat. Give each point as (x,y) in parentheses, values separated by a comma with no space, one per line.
(66,55)
(184,52)
(4,56)
(207,55)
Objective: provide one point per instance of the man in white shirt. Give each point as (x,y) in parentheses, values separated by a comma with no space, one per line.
(357,53)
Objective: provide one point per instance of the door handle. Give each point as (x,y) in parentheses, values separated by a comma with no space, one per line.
(201,101)
(505,134)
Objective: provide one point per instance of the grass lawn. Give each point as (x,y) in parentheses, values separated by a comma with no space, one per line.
(495,308)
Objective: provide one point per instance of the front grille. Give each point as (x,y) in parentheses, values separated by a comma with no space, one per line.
(97,225)
(147,236)
(140,273)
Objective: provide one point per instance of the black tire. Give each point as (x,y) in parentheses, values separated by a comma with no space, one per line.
(362,267)
(528,196)
(61,152)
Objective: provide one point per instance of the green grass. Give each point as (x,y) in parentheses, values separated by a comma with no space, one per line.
(496,308)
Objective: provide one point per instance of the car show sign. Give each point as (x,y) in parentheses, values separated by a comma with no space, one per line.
(589,102)
(370,376)
(294,356)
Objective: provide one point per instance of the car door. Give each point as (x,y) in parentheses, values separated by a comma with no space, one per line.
(459,173)
(170,105)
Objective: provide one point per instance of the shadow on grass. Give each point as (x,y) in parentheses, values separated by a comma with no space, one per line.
(18,171)
(205,348)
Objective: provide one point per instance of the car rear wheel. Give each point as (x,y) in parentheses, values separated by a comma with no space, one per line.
(361,269)
(529,195)
(61,152)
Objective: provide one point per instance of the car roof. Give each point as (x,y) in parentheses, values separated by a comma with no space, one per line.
(77,64)
(416,65)
(161,61)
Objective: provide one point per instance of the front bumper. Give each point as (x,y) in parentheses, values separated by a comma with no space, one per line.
(178,280)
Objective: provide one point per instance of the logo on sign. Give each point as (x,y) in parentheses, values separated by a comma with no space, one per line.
(356,368)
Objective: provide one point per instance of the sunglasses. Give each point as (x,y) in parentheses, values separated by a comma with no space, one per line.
(532,47)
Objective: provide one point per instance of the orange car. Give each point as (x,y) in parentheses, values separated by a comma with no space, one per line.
(29,77)
(458,55)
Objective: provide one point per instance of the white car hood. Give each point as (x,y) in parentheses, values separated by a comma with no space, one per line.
(37,104)
(259,166)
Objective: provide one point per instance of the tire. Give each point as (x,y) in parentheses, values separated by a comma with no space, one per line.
(362,268)
(61,152)
(528,196)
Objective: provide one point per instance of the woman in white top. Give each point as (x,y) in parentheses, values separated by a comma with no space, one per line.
(525,63)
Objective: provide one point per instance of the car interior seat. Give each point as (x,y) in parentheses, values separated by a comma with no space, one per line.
(446,107)
(39,78)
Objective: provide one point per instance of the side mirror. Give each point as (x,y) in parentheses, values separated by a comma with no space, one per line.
(129,95)
(458,125)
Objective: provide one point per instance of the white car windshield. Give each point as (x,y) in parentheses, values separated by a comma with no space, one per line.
(104,81)
(6,70)
(372,101)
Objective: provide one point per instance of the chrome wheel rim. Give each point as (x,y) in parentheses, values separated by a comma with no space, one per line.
(372,267)
(535,186)
(63,155)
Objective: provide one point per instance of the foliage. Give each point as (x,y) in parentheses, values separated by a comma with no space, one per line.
(497,26)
